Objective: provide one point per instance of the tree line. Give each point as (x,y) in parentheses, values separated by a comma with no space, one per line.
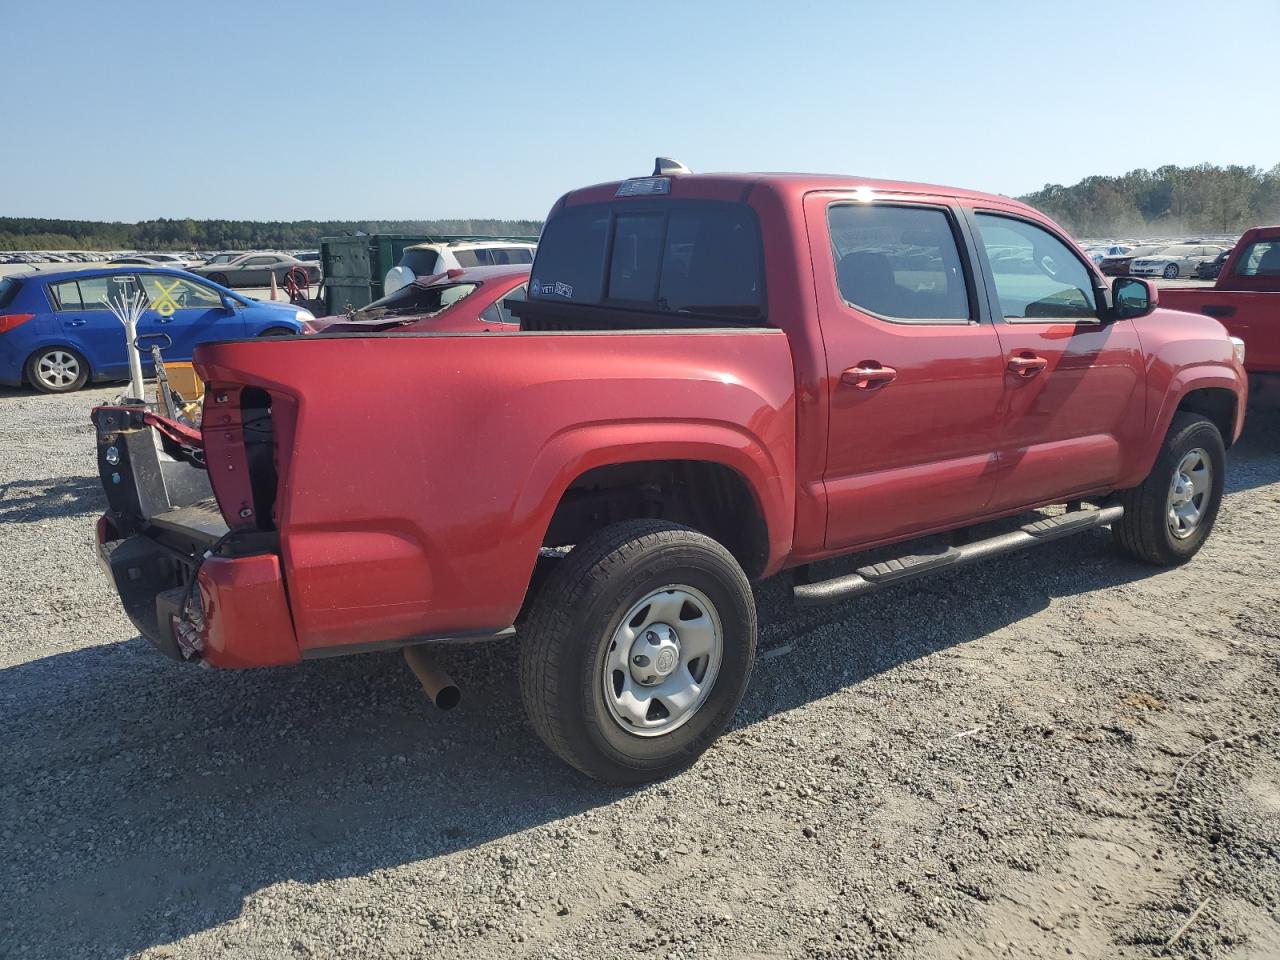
(29,233)
(1170,200)
(1203,199)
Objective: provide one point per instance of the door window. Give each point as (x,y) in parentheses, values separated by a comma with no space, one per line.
(1037,276)
(167,294)
(899,263)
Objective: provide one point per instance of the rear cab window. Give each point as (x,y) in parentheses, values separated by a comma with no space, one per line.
(698,258)
(1260,259)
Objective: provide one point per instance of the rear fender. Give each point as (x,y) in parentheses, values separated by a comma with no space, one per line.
(576,450)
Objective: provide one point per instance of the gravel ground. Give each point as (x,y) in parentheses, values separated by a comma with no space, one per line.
(1002,761)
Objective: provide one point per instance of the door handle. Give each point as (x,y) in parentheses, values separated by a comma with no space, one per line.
(1027,366)
(78,322)
(869,376)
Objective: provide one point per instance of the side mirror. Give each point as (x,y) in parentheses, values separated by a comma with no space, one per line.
(1133,297)
(229,303)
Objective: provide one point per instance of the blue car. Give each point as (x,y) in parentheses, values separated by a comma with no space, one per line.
(57,333)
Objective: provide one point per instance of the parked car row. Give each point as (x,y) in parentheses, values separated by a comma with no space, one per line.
(1166,259)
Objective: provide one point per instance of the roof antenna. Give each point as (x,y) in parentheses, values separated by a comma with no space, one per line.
(666,167)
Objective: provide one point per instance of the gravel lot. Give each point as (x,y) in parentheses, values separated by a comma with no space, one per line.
(998,762)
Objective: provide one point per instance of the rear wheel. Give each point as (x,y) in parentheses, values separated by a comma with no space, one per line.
(637,650)
(1171,271)
(220,279)
(1169,516)
(57,370)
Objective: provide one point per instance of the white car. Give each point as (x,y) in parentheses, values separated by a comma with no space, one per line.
(1099,252)
(427,259)
(1179,260)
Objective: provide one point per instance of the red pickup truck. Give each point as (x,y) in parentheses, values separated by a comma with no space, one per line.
(716,378)
(1246,300)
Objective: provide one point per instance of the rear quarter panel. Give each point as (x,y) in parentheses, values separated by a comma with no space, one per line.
(420,473)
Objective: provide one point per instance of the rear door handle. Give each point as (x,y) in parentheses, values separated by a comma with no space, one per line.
(869,376)
(1027,366)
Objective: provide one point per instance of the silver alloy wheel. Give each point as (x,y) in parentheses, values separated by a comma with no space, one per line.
(58,369)
(1189,493)
(662,661)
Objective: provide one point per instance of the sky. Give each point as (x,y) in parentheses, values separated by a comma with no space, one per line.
(324,110)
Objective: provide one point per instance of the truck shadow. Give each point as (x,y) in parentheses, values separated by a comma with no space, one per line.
(23,501)
(151,798)
(1255,459)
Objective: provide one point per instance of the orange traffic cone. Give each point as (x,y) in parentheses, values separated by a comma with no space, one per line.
(274,289)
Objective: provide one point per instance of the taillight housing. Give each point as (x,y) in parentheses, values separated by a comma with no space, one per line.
(10,321)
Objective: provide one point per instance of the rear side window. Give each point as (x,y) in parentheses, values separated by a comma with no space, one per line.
(1037,276)
(423,263)
(900,263)
(8,290)
(1260,259)
(674,256)
(90,293)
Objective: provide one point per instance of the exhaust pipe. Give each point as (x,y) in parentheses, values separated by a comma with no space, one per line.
(439,687)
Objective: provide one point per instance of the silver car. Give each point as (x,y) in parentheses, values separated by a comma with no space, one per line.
(1179,260)
(256,270)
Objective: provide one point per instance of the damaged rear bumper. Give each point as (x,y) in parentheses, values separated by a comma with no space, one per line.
(178,595)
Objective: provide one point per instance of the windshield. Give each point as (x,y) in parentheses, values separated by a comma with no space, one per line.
(417,300)
(666,256)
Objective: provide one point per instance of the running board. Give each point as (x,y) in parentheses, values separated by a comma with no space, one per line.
(867,579)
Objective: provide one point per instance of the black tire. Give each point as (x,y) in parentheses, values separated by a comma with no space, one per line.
(276,332)
(1171,271)
(1144,532)
(220,279)
(43,362)
(570,628)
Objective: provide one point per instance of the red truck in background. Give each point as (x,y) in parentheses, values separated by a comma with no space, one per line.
(716,378)
(1246,300)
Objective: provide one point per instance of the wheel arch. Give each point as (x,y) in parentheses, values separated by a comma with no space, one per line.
(715,478)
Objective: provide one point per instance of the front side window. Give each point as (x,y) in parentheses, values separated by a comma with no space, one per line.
(167,294)
(1260,259)
(1037,276)
(689,257)
(899,263)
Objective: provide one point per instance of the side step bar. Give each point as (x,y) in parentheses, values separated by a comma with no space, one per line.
(873,577)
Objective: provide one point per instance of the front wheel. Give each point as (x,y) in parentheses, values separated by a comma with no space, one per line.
(637,650)
(1171,271)
(1168,517)
(220,279)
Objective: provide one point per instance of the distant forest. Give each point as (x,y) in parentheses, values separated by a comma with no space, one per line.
(1168,201)
(24,233)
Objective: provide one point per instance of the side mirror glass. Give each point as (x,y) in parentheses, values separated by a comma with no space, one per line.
(1133,297)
